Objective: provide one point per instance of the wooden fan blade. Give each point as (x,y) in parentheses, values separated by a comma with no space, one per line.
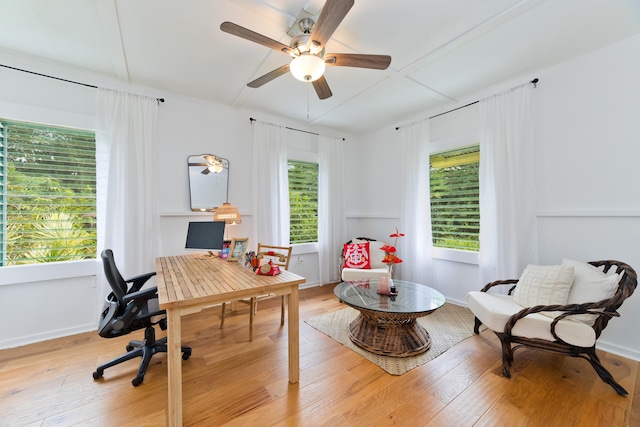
(331,16)
(245,33)
(322,88)
(269,76)
(377,62)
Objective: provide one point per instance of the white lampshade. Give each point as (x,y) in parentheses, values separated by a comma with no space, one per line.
(307,67)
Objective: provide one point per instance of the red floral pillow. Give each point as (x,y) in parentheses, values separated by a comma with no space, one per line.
(356,255)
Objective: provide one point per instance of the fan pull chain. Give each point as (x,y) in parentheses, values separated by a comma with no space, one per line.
(308,100)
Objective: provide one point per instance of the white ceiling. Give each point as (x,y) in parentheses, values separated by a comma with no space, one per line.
(441,50)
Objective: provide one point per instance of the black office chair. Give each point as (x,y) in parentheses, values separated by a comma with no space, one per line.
(129,309)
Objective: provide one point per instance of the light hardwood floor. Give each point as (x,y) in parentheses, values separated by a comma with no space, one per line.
(230,381)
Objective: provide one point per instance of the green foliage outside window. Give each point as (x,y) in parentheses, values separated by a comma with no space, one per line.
(48,194)
(303,201)
(455,208)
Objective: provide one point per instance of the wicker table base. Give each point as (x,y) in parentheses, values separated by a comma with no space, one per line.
(389,334)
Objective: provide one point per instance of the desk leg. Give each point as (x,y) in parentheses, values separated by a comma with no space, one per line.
(294,336)
(174,362)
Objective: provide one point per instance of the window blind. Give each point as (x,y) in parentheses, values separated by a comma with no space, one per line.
(48,193)
(455,210)
(303,201)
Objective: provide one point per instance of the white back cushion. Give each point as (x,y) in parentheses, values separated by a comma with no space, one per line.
(590,285)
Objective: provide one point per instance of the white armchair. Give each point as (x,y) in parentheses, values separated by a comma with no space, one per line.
(562,309)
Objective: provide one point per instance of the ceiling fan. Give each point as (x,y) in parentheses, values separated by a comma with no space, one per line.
(307,49)
(213,164)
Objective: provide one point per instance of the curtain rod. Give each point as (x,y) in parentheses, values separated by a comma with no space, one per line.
(534,82)
(251,119)
(58,78)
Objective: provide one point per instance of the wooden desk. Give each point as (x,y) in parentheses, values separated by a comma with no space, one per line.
(189,283)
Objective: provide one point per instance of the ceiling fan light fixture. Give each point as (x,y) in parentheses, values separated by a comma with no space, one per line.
(215,167)
(307,67)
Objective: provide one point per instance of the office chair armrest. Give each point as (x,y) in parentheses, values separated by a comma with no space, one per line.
(141,296)
(139,281)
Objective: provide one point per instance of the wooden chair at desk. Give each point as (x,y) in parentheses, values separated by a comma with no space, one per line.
(277,255)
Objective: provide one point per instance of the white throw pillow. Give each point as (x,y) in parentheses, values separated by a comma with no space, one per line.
(544,285)
(590,285)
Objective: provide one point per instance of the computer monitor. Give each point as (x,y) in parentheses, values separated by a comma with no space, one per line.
(205,235)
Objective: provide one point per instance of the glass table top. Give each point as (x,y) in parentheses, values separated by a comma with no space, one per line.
(411,298)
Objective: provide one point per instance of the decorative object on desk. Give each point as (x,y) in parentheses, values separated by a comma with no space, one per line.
(248,259)
(447,326)
(237,247)
(268,269)
(224,253)
(282,257)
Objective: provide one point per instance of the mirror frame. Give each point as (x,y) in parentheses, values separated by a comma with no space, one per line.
(216,191)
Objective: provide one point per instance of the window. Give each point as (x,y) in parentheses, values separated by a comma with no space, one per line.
(303,202)
(455,210)
(47,193)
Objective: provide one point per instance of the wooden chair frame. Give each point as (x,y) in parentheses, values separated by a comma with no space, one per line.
(281,256)
(605,310)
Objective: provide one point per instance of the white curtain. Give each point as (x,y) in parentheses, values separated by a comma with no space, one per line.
(508,227)
(271,186)
(332,223)
(127,200)
(416,247)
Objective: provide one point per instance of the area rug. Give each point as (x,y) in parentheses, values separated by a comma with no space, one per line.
(447,326)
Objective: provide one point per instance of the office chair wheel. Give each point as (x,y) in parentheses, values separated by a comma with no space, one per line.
(186,354)
(97,374)
(129,347)
(137,381)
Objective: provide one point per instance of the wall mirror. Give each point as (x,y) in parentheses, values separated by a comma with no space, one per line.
(208,181)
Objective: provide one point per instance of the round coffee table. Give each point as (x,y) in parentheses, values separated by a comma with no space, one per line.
(386,324)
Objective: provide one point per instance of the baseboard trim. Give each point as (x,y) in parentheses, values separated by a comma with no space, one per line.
(618,351)
(307,285)
(45,336)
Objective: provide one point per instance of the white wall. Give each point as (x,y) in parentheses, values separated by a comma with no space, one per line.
(586,134)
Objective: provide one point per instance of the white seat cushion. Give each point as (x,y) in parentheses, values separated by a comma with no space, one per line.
(363,273)
(494,311)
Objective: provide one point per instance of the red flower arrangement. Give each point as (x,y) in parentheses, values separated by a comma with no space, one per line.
(390,257)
